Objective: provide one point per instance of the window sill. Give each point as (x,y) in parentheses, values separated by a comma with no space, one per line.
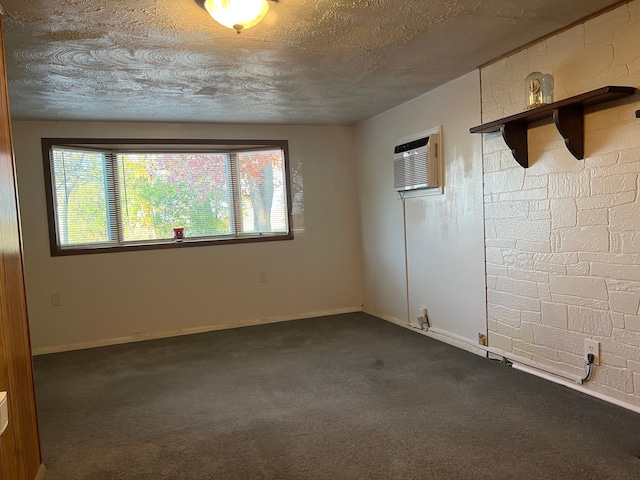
(82,250)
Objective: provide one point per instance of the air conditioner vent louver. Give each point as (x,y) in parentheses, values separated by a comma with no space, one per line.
(411,171)
(415,164)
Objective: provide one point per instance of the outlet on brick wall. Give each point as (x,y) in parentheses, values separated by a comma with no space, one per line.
(561,235)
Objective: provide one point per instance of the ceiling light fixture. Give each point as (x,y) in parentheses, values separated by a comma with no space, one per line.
(236,14)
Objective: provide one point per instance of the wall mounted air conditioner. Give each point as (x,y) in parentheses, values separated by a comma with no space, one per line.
(417,162)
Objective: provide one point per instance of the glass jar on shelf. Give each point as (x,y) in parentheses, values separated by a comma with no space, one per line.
(538,89)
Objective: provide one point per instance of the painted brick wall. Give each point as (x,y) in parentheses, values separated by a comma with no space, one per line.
(563,236)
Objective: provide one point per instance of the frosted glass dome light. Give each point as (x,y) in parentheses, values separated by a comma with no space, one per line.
(237,14)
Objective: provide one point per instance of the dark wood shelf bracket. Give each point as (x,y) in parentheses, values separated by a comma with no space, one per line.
(570,123)
(567,114)
(515,136)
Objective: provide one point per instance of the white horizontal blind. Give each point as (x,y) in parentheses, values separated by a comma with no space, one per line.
(163,191)
(81,183)
(113,200)
(262,191)
(122,197)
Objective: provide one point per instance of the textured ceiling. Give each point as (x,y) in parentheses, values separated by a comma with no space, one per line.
(308,62)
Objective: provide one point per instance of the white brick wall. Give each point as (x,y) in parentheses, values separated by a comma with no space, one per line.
(563,236)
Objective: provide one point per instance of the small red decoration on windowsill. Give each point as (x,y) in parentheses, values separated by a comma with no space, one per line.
(178,234)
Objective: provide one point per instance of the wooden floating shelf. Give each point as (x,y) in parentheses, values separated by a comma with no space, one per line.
(568,115)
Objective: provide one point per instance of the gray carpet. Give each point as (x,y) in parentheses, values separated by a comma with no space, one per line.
(341,397)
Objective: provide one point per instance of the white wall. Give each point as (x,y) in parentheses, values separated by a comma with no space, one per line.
(562,235)
(112,297)
(445,237)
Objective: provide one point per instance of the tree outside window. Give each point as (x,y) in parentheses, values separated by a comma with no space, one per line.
(122,196)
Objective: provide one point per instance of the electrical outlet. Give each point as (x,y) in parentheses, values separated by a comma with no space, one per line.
(263,277)
(592,346)
(56,300)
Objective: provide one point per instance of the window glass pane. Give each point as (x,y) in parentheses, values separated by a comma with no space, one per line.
(160,192)
(114,194)
(79,181)
(262,189)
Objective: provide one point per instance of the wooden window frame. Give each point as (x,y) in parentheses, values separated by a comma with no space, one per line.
(162,145)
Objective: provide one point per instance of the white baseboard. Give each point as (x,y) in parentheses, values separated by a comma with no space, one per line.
(517,362)
(383,316)
(562,378)
(575,386)
(189,331)
(435,333)
(41,472)
(455,340)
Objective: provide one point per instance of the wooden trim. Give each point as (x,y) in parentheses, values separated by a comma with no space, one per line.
(138,143)
(289,185)
(48,188)
(42,471)
(169,145)
(163,246)
(21,456)
(580,21)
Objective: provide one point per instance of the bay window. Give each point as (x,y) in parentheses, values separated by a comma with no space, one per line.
(126,194)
